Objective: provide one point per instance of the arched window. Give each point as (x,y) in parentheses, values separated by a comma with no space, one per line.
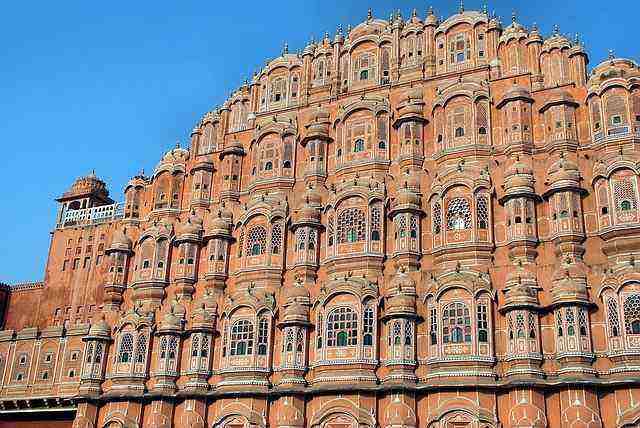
(631,307)
(458,214)
(276,238)
(395,334)
(483,323)
(263,336)
(624,194)
(268,166)
(351,225)
(126,348)
(257,241)
(98,355)
(330,232)
(375,224)
(437,218)
(195,345)
(613,317)
(459,132)
(367,339)
(358,145)
(364,75)
(312,240)
(342,327)
(408,332)
(141,349)
(482,210)
(89,352)
(242,338)
(456,323)
(433,327)
(570,319)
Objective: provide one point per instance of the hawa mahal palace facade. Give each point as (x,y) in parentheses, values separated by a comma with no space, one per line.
(412,223)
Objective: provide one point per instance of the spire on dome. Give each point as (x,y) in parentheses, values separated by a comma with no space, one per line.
(461,8)
(285,48)
(369,15)
(514,16)
(611,54)
(556,29)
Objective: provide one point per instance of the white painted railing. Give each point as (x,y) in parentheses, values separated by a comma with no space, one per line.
(93,215)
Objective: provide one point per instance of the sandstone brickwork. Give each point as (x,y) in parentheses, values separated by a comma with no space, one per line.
(413,223)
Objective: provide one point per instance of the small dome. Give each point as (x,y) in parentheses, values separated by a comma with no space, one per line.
(407,197)
(401,295)
(296,304)
(234,147)
(309,211)
(516,92)
(219,226)
(176,155)
(170,322)
(519,178)
(190,229)
(399,414)
(201,319)
(563,172)
(431,18)
(100,328)
(295,292)
(85,186)
(120,241)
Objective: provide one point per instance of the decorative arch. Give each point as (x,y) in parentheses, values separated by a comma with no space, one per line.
(238,410)
(342,407)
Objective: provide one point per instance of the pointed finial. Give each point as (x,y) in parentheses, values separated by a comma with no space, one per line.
(556,29)
(326,36)
(340,30)
(414,13)
(534,27)
(513,16)
(430,12)
(577,39)
(177,144)
(312,41)
(369,15)
(285,49)
(485,9)
(348,28)
(611,54)
(461,8)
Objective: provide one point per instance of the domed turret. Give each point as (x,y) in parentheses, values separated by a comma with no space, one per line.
(219,227)
(520,288)
(100,329)
(309,211)
(119,241)
(401,296)
(171,322)
(190,230)
(518,179)
(296,306)
(563,173)
(202,320)
(177,155)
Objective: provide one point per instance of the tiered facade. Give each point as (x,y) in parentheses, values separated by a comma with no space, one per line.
(412,224)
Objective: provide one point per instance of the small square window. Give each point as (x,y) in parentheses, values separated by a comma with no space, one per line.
(616,120)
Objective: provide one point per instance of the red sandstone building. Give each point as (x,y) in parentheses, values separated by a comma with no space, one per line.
(412,224)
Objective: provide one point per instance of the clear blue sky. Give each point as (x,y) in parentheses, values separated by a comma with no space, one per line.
(111,85)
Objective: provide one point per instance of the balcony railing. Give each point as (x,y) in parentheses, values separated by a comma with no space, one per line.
(95,215)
